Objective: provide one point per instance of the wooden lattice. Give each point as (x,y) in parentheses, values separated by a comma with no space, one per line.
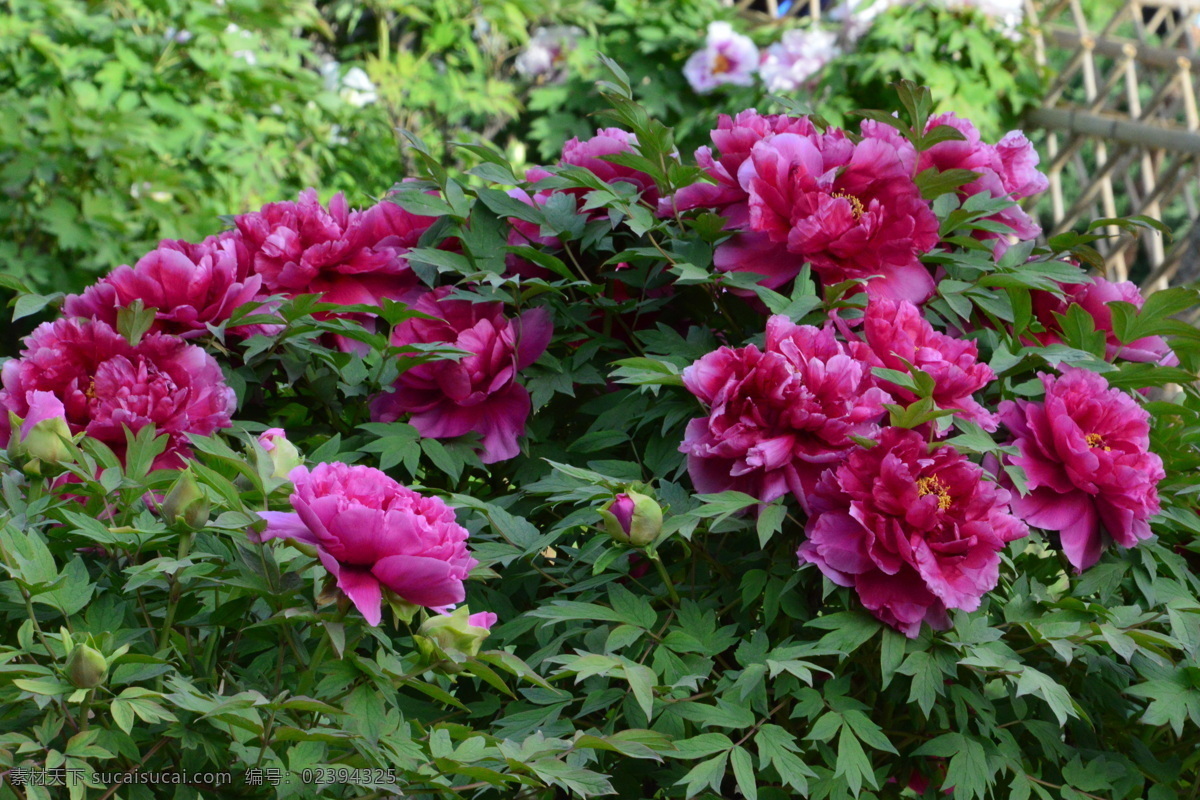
(1122,134)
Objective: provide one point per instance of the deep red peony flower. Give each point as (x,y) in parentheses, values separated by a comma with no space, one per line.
(351,257)
(792,195)
(746,250)
(107,385)
(189,285)
(895,333)
(778,416)
(372,534)
(915,531)
(852,210)
(1008,168)
(478,393)
(1086,453)
(1094,297)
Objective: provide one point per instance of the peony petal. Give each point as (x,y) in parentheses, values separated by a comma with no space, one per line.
(363,590)
(284,525)
(428,582)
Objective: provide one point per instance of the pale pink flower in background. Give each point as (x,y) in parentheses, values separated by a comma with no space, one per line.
(727,57)
(790,63)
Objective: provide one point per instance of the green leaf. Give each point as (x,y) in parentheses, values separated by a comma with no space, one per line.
(700,746)
(968,772)
(582,782)
(927,679)
(705,775)
(852,763)
(1042,685)
(743,773)
(641,682)
(770,521)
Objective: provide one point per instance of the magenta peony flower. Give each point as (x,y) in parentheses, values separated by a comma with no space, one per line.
(1094,298)
(727,57)
(915,531)
(107,385)
(852,210)
(478,393)
(189,285)
(1005,169)
(372,534)
(746,250)
(895,332)
(780,415)
(351,257)
(1086,453)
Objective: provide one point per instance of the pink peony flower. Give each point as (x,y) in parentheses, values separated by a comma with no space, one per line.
(915,531)
(790,64)
(852,210)
(351,257)
(371,533)
(1094,297)
(895,332)
(522,233)
(746,250)
(589,154)
(1085,450)
(780,415)
(107,385)
(479,393)
(189,285)
(1005,169)
(727,57)
(791,195)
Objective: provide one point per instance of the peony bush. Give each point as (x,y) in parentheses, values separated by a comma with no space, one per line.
(794,467)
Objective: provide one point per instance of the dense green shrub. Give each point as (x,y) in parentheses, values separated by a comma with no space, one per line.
(130,122)
(654,640)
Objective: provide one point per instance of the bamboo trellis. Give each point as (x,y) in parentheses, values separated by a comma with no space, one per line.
(1122,134)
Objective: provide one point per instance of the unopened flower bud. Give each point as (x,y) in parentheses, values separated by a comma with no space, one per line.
(454,638)
(40,436)
(185,502)
(86,667)
(633,518)
(284,455)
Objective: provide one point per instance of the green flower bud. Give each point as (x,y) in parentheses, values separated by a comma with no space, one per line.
(42,436)
(86,667)
(284,455)
(633,518)
(185,502)
(454,638)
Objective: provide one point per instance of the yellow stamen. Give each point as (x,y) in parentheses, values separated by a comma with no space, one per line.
(932,484)
(856,206)
(90,391)
(1096,440)
(721,64)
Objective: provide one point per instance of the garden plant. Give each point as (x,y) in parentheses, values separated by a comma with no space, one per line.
(793,467)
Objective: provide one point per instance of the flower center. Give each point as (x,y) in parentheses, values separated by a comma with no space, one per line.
(932,484)
(721,64)
(1096,440)
(856,206)
(90,391)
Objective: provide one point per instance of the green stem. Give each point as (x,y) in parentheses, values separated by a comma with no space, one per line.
(84,708)
(666,576)
(185,546)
